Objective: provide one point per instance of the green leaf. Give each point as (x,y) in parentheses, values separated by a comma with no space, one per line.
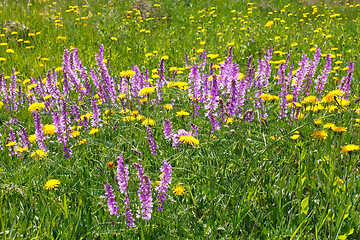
(343,237)
(304,206)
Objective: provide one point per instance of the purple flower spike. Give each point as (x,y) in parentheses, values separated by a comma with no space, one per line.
(167,129)
(123,181)
(112,204)
(145,196)
(151,140)
(122,175)
(321,80)
(163,186)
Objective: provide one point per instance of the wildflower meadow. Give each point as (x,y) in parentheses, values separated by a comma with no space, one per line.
(179,119)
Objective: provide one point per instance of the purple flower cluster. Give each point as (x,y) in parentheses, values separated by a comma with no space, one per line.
(164,184)
(145,196)
(145,207)
(217,95)
(112,204)
(122,178)
(151,140)
(167,129)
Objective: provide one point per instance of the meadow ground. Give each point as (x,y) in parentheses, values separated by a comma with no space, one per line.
(179,119)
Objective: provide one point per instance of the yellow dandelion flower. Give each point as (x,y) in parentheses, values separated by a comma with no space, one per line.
(38,154)
(127,73)
(129,118)
(146,91)
(309,99)
(52,183)
(315,108)
(168,106)
(10,144)
(329,125)
(32,138)
(349,148)
(47,97)
(134,113)
(331,95)
(189,140)
(289,98)
(149,121)
(182,113)
(295,136)
(343,102)
(179,190)
(331,108)
(339,129)
(75,134)
(122,96)
(140,118)
(36,106)
(268,97)
(229,121)
(269,24)
(182,85)
(213,56)
(320,134)
(49,129)
(20,150)
(93,131)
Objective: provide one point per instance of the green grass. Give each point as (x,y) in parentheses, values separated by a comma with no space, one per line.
(243,181)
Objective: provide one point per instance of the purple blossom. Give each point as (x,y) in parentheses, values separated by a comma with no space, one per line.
(12,90)
(323,77)
(346,81)
(95,119)
(151,140)
(232,103)
(167,129)
(300,76)
(145,196)
(214,123)
(122,178)
(285,85)
(128,215)
(110,86)
(203,63)
(112,204)
(39,132)
(165,181)
(4,92)
(213,99)
(311,71)
(195,128)
(23,137)
(194,82)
